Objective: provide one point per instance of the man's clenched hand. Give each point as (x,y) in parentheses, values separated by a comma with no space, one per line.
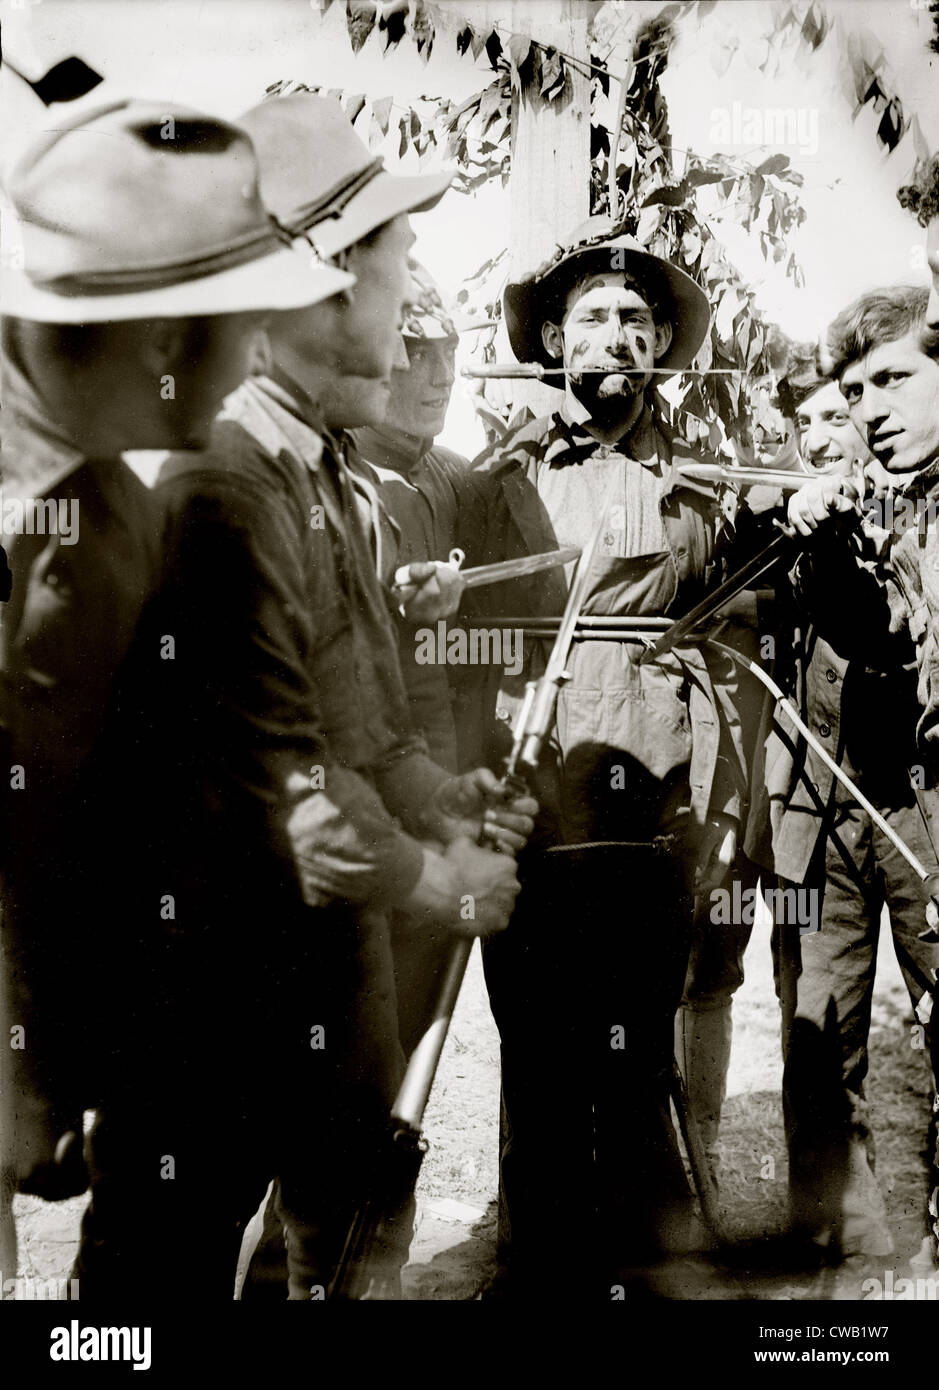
(819,500)
(472,803)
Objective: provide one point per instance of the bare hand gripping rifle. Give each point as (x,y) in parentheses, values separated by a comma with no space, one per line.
(358,1274)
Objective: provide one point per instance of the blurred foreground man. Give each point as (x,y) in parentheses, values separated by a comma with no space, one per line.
(642,781)
(312,808)
(134,317)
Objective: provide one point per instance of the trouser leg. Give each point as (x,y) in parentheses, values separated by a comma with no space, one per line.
(907,898)
(584,986)
(332,1158)
(158,1191)
(703,1024)
(826,987)
(535,972)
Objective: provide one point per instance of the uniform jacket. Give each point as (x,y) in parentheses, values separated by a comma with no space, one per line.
(674,722)
(431,504)
(847,664)
(291,649)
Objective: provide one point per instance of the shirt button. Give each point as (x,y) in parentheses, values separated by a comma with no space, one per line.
(831,676)
(608,540)
(502,712)
(824,730)
(603,452)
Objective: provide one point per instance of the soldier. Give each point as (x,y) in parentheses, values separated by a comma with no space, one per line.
(885,361)
(429,495)
(135,314)
(643,784)
(432,501)
(826,846)
(310,802)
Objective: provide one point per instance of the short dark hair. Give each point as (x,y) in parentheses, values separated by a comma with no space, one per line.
(880,316)
(921,197)
(804,376)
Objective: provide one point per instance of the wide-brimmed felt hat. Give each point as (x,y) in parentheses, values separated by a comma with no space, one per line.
(319,179)
(538,298)
(134,210)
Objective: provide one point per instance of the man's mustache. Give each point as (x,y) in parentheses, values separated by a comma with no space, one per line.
(620,366)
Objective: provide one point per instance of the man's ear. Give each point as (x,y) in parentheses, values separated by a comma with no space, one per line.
(663,339)
(162,348)
(552,339)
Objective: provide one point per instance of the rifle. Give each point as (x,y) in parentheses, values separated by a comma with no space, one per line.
(402,1152)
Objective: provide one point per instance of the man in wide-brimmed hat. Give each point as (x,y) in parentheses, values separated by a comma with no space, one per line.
(315,806)
(131,304)
(643,782)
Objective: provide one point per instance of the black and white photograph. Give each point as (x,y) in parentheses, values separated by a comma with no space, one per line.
(469,677)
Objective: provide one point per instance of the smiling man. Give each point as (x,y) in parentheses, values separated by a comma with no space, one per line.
(886,359)
(820,841)
(637,785)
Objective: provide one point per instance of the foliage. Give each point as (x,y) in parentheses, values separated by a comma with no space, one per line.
(671,208)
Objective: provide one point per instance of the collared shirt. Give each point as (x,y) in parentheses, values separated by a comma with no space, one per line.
(573,478)
(651,730)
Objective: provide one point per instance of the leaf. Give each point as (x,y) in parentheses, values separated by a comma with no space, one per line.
(493,48)
(728,309)
(519,49)
(776,164)
(478,44)
(697,178)
(552,70)
(650,219)
(670,197)
(421,27)
(391,25)
(489,103)
(464,39)
(360,21)
(721,55)
(381,111)
(353,106)
(403,125)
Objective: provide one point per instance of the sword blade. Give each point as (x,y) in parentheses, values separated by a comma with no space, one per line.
(746,477)
(525,564)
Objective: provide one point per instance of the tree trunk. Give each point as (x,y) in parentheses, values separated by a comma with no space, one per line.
(549,188)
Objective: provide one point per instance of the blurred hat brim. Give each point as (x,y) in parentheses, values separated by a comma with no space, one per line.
(288,278)
(384,197)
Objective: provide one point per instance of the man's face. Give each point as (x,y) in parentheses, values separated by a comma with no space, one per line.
(420,395)
(893,399)
(932,254)
(828,439)
(373,308)
(608,329)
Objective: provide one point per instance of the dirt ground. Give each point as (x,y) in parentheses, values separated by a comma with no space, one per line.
(453,1253)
